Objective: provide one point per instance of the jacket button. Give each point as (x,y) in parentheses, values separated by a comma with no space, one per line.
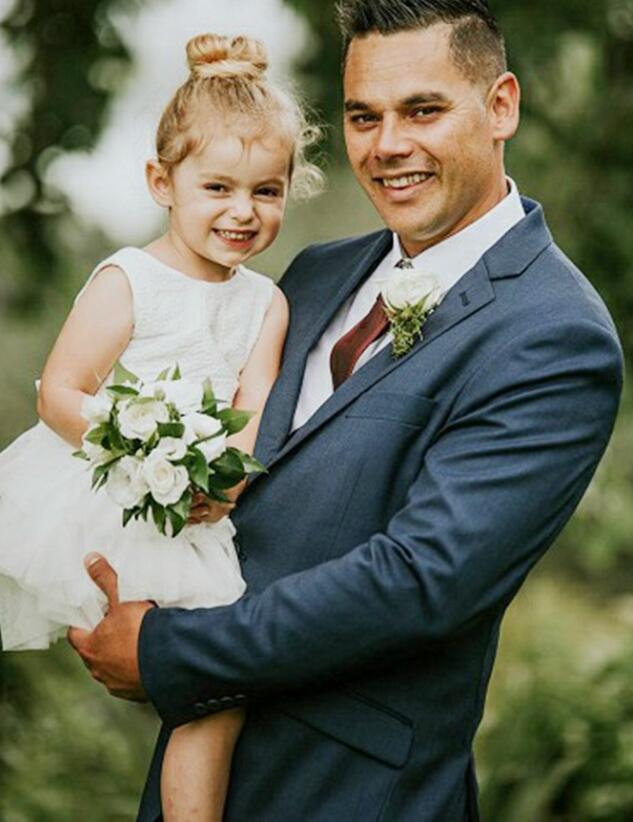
(239,698)
(213,703)
(200,709)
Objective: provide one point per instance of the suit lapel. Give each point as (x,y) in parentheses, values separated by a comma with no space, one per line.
(472,293)
(277,419)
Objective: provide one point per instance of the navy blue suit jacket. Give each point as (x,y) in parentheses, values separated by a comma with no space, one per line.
(392,531)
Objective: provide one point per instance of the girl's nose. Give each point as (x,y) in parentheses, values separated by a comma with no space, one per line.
(242,210)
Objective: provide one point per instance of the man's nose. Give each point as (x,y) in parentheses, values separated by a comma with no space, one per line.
(391,141)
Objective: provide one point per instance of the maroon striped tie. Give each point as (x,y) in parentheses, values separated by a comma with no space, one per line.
(349,348)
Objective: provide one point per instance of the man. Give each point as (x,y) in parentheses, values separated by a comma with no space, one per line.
(405,506)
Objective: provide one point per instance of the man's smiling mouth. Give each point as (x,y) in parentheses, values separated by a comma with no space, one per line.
(404,181)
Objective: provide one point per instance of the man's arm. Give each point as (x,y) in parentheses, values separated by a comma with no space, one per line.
(498,484)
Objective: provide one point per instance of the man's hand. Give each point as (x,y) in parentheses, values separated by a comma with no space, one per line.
(110,650)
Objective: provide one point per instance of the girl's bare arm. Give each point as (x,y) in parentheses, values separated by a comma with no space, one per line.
(95,334)
(256,381)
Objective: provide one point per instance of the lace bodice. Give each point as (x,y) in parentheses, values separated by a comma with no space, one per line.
(207,328)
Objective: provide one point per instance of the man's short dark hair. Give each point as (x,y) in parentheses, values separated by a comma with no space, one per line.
(476,43)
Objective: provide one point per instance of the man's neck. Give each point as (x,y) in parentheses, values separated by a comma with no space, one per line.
(413,248)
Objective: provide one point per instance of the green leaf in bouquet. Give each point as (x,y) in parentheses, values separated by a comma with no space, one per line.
(183,506)
(176,521)
(227,470)
(144,400)
(97,435)
(121,374)
(159,516)
(234,420)
(164,375)
(116,441)
(129,514)
(171,429)
(122,391)
(100,476)
(209,401)
(81,455)
(252,465)
(177,374)
(229,463)
(198,469)
(216,494)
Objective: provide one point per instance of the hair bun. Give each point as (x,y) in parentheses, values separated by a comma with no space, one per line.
(212,55)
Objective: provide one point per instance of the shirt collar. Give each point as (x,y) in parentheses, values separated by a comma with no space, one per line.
(450,259)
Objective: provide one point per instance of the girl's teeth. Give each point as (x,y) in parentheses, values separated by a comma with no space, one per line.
(234,235)
(403,182)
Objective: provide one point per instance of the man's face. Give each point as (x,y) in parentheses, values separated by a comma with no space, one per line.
(420,135)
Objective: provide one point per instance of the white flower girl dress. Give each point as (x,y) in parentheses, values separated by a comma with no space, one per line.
(49,516)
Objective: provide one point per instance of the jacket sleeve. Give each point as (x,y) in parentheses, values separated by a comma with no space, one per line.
(497,485)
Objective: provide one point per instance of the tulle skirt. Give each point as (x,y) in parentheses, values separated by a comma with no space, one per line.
(50,519)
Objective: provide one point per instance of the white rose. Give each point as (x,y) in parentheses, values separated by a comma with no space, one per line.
(139,420)
(167,482)
(96,409)
(200,426)
(171,448)
(212,449)
(126,485)
(184,394)
(95,453)
(409,287)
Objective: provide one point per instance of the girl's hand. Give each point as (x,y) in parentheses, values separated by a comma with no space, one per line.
(208,510)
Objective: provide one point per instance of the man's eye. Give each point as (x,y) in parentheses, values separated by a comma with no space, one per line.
(364,119)
(427,111)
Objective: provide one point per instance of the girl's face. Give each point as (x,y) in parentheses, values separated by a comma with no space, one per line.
(227,200)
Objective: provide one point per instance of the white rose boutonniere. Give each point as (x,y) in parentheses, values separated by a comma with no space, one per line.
(410,298)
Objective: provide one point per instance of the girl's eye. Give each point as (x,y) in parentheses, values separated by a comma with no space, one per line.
(268,192)
(218,187)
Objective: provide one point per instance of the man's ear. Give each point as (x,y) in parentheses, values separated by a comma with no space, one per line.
(504,100)
(159,183)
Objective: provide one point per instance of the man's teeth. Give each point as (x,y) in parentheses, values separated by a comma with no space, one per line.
(236,235)
(403,182)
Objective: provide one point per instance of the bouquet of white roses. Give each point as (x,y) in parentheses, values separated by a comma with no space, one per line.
(154,445)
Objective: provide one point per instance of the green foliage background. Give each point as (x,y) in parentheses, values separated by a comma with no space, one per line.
(556,744)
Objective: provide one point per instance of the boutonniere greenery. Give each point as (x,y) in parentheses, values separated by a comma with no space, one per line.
(410,297)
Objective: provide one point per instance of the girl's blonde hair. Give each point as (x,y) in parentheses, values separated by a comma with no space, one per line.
(228,84)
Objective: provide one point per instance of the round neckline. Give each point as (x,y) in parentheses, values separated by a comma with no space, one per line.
(181,274)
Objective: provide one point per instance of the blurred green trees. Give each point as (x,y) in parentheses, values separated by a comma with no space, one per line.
(557,739)
(69,62)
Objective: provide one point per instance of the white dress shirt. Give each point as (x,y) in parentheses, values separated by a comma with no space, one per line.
(448,261)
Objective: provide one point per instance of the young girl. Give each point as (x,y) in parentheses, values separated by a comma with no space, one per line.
(229,145)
